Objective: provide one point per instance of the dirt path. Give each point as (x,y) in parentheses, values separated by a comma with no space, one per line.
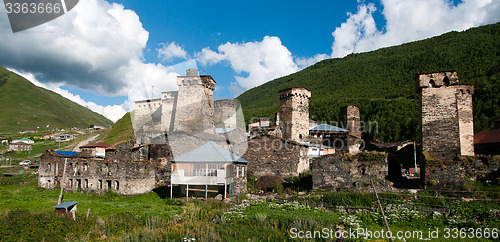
(84,142)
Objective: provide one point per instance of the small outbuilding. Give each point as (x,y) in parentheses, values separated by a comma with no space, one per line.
(67,208)
(95,149)
(209,169)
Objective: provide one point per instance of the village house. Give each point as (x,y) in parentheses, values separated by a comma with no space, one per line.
(210,169)
(487,142)
(95,149)
(23,140)
(20,146)
(64,137)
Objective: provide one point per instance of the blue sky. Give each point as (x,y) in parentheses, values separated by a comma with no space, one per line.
(106,54)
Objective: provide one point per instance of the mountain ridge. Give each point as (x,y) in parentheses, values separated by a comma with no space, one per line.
(26,106)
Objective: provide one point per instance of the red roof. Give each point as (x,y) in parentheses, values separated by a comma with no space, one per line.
(96,145)
(487,137)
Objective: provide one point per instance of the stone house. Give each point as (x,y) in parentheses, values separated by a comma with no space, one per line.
(87,173)
(270,155)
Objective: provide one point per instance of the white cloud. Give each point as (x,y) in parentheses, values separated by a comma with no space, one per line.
(305,62)
(112,112)
(97,46)
(208,56)
(254,62)
(171,51)
(410,20)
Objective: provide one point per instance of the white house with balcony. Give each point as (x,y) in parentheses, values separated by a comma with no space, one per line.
(209,169)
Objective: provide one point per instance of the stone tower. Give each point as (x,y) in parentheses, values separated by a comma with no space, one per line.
(194,111)
(350,119)
(225,113)
(447,126)
(294,113)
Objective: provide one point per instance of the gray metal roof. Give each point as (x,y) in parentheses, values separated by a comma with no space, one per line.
(66,205)
(209,152)
(328,128)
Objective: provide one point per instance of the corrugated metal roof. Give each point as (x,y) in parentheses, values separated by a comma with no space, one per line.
(65,205)
(68,153)
(328,128)
(209,152)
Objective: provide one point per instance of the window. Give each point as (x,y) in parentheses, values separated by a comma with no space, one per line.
(70,182)
(199,170)
(117,185)
(86,183)
(237,171)
(242,171)
(100,184)
(212,169)
(86,167)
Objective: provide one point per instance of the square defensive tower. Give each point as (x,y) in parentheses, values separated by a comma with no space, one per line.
(447,126)
(294,113)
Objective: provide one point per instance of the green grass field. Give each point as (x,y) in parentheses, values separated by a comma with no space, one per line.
(27,214)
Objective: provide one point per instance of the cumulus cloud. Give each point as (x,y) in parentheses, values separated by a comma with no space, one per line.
(97,46)
(305,62)
(409,20)
(112,112)
(171,51)
(254,62)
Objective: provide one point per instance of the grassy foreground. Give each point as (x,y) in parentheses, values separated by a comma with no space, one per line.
(26,214)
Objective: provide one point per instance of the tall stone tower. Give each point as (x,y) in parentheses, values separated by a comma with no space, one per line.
(350,119)
(225,113)
(447,126)
(195,104)
(294,113)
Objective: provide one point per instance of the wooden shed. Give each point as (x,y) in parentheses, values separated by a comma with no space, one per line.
(67,208)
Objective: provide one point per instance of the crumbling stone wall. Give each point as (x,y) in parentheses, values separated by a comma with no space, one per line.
(446,116)
(294,113)
(456,175)
(344,171)
(269,155)
(92,174)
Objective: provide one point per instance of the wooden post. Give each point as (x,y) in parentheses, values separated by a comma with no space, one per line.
(187,191)
(61,183)
(225,189)
(206,191)
(88,212)
(381,210)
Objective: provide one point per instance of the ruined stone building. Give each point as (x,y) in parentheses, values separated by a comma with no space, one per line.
(447,127)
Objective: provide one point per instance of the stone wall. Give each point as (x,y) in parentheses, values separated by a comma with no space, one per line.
(456,175)
(92,174)
(240,180)
(294,113)
(446,116)
(344,171)
(269,155)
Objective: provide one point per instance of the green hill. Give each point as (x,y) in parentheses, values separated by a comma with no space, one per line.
(26,106)
(382,82)
(121,131)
